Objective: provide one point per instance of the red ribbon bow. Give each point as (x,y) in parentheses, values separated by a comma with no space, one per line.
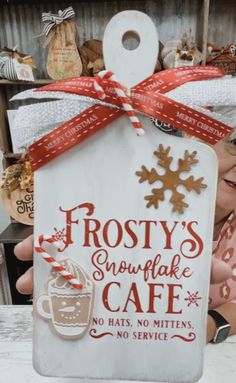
(146,97)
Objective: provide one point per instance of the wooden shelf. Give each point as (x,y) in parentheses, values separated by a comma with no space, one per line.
(10,155)
(15,232)
(36,82)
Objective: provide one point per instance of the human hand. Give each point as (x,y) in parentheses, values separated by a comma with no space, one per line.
(24,252)
(220,271)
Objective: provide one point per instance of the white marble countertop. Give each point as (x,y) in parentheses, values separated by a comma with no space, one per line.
(16,349)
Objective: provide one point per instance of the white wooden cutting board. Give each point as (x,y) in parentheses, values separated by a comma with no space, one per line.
(133,325)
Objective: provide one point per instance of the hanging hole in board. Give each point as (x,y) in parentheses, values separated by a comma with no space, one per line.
(130,40)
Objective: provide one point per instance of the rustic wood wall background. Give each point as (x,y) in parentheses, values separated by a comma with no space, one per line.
(222,22)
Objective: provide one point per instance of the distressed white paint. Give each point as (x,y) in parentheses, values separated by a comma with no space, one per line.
(102,172)
(107,164)
(16,353)
(130,66)
(214,366)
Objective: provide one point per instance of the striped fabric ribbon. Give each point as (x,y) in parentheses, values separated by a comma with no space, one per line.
(7,69)
(50,19)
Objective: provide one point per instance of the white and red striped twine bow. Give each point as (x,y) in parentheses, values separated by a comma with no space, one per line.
(119,89)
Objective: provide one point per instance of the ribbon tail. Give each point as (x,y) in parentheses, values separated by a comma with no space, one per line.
(71,133)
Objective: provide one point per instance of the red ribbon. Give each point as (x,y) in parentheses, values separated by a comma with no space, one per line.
(146,97)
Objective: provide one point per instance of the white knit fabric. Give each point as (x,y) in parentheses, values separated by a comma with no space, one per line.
(33,121)
(217,92)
